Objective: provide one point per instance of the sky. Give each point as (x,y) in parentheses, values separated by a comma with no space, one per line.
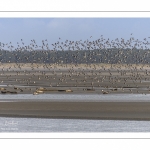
(14,29)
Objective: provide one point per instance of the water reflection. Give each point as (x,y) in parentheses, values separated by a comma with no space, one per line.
(71,125)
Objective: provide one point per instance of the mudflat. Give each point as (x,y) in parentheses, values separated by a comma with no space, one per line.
(99,79)
(78,110)
(95,78)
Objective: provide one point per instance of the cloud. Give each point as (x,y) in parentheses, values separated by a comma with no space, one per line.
(56,24)
(29,23)
(71,23)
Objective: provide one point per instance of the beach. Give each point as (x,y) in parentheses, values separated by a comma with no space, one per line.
(76,79)
(81,78)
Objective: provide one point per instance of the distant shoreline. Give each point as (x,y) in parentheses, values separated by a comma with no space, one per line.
(77,110)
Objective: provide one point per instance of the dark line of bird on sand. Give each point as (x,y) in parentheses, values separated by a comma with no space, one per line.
(91,75)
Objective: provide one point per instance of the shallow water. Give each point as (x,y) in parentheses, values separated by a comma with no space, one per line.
(77,97)
(71,125)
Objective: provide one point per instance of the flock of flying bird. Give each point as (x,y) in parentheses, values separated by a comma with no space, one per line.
(88,44)
(100,78)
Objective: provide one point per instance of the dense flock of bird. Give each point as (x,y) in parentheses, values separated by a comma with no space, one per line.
(39,78)
(88,44)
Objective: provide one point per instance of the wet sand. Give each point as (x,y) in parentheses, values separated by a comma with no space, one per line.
(77,110)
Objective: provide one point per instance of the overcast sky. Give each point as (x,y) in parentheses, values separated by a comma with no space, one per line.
(15,29)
